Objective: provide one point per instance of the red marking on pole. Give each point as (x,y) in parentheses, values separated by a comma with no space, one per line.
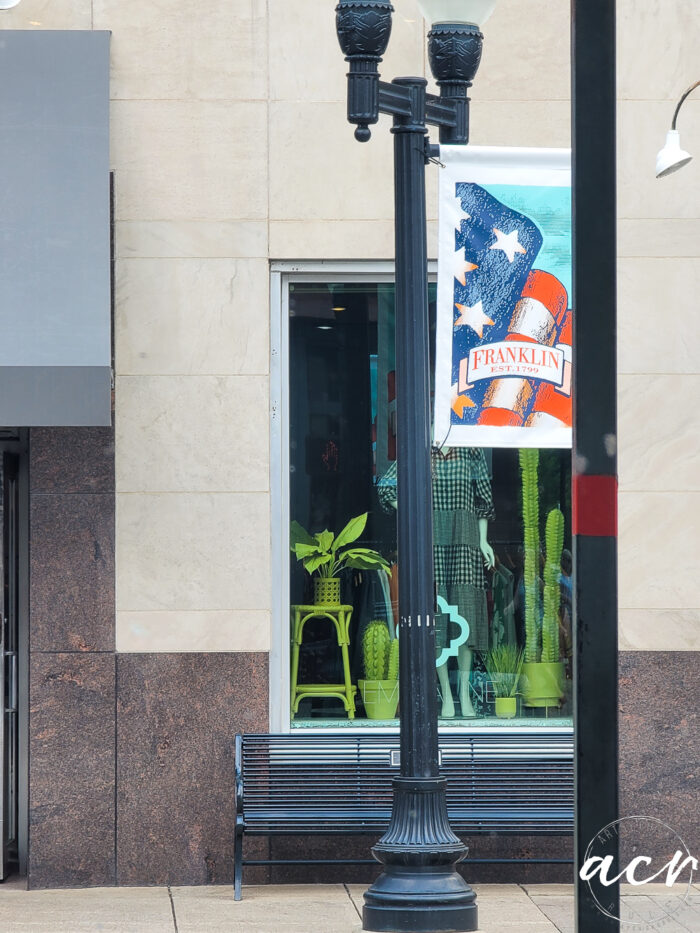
(594,506)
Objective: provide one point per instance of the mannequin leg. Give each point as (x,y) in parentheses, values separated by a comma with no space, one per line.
(448,705)
(464,662)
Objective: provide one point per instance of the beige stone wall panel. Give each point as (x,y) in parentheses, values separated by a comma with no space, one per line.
(526,53)
(521,123)
(657,48)
(319,172)
(192,434)
(187,239)
(657,318)
(306,63)
(675,238)
(174,50)
(192,316)
(659,630)
(641,131)
(193,551)
(658,550)
(233,630)
(48,14)
(659,440)
(184,160)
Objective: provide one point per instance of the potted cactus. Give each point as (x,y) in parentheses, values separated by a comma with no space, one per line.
(380,689)
(504,666)
(324,555)
(542,671)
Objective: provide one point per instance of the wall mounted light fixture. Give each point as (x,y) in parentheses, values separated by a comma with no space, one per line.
(672,157)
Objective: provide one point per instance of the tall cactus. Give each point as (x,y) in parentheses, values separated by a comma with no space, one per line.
(554,540)
(393,668)
(375,649)
(529,462)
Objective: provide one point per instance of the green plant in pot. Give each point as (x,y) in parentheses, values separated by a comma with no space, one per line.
(324,555)
(504,666)
(542,678)
(380,689)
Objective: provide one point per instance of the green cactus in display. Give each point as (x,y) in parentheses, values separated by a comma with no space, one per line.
(554,539)
(529,461)
(393,667)
(375,650)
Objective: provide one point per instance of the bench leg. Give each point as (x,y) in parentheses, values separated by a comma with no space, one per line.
(238,861)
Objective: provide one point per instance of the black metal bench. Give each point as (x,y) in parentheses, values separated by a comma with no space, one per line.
(336,784)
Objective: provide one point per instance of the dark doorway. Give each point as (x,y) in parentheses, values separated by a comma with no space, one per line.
(9,662)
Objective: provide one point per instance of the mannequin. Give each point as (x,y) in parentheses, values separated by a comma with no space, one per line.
(462,508)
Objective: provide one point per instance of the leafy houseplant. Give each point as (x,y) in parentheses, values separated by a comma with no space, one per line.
(542,671)
(326,554)
(380,689)
(504,666)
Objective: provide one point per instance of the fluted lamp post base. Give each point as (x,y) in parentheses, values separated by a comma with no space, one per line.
(420,890)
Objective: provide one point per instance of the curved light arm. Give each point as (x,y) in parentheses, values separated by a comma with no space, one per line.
(681,101)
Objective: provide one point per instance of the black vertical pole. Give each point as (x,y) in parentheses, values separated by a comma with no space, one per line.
(594,462)
(420,889)
(418,696)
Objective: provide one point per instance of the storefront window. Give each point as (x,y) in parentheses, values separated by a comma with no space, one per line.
(502,540)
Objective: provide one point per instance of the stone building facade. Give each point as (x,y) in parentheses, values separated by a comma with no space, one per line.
(153,581)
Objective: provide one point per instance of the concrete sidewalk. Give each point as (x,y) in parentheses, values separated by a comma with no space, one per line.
(332,908)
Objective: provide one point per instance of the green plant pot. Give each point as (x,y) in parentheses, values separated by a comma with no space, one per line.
(506,707)
(380,697)
(542,683)
(326,591)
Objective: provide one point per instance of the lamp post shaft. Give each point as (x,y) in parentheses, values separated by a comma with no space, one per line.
(420,889)
(418,699)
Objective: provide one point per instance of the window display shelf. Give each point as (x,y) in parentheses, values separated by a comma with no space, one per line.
(482,722)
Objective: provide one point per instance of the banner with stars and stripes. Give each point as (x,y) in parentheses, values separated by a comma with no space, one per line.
(503,372)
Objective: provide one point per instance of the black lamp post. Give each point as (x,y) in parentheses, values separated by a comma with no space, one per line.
(420,889)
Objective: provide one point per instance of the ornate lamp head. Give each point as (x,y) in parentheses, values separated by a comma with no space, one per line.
(455,40)
(363,28)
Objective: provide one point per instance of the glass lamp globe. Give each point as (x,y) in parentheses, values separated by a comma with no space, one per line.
(8,4)
(475,12)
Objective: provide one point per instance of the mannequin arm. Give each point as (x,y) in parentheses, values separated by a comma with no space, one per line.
(485,547)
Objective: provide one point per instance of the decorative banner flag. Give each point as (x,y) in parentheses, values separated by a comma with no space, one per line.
(504,325)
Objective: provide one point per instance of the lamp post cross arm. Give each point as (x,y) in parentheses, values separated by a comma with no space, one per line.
(395,99)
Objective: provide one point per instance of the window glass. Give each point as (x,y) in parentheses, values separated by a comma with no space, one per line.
(502,538)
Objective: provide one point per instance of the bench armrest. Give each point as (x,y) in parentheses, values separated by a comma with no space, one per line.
(239,774)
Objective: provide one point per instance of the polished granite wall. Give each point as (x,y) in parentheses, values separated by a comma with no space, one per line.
(131,756)
(72,691)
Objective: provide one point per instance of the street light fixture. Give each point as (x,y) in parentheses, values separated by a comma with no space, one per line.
(672,157)
(420,889)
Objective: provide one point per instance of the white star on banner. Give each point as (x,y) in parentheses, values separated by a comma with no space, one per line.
(456,213)
(473,317)
(508,242)
(461,266)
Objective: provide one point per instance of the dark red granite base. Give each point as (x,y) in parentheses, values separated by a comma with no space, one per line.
(480,847)
(71,489)
(72,755)
(177,716)
(660,740)
(72,572)
(71,460)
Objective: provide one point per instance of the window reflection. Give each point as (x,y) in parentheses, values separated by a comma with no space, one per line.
(502,540)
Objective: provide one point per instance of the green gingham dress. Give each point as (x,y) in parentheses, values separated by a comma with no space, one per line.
(461,496)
